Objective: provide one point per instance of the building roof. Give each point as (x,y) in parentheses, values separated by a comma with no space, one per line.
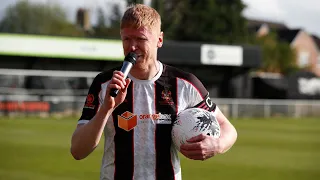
(316,40)
(287,35)
(254,23)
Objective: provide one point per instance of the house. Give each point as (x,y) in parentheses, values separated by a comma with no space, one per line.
(307,48)
(317,41)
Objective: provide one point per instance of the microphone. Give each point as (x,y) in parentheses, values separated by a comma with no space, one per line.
(128,62)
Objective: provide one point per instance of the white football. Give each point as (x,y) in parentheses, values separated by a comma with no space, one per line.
(192,122)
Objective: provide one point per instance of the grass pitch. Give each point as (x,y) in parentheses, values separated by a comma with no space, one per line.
(277,149)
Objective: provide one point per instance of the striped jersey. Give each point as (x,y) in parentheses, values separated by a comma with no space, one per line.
(137,137)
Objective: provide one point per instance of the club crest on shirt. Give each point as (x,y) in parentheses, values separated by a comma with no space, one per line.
(166,98)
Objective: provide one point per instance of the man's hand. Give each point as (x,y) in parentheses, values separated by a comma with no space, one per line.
(117,82)
(201,147)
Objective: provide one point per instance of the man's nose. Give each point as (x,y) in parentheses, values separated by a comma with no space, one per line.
(133,45)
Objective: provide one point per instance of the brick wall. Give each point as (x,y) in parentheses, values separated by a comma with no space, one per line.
(304,43)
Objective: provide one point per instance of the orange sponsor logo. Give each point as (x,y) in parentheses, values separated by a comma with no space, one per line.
(149,116)
(127,121)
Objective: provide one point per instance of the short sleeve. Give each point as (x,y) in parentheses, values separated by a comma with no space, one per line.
(199,96)
(92,102)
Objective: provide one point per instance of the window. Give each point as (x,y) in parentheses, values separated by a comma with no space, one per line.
(303,60)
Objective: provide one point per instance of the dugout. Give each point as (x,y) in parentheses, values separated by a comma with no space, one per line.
(223,69)
(298,85)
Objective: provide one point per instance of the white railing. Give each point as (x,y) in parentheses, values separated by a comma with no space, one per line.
(266,108)
(65,101)
(233,108)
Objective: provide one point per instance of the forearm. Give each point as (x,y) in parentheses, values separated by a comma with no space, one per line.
(228,133)
(228,136)
(86,137)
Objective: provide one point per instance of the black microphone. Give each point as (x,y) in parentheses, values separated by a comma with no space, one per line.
(128,62)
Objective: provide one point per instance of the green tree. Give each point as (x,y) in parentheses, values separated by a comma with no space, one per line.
(40,18)
(101,20)
(100,29)
(108,26)
(278,56)
(217,21)
(134,2)
(115,18)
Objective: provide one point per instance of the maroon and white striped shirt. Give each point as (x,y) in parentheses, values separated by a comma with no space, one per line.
(138,141)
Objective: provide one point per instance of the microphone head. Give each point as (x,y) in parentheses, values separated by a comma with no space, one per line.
(131,57)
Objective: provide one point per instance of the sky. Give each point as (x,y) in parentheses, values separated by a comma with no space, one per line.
(304,14)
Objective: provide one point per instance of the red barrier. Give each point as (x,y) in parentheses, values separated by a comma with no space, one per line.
(25,106)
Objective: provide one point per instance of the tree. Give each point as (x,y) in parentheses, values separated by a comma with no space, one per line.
(108,26)
(217,21)
(31,18)
(135,2)
(101,20)
(115,18)
(278,57)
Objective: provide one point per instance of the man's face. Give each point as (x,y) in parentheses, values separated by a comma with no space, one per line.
(143,41)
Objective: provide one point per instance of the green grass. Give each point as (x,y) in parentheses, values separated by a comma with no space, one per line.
(277,149)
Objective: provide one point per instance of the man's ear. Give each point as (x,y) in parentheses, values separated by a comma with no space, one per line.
(160,40)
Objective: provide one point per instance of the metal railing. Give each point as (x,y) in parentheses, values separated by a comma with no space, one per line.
(46,105)
(266,108)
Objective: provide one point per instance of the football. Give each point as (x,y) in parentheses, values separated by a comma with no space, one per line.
(192,122)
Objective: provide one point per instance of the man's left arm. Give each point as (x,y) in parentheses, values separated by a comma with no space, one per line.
(202,147)
(228,133)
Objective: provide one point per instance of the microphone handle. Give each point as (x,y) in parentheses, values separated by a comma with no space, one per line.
(125,69)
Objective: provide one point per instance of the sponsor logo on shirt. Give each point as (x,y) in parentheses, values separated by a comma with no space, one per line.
(157,118)
(128,120)
(89,102)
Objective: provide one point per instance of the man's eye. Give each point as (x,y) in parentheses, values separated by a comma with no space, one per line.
(142,39)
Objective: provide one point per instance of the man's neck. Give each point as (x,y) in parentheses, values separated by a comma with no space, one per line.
(145,72)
